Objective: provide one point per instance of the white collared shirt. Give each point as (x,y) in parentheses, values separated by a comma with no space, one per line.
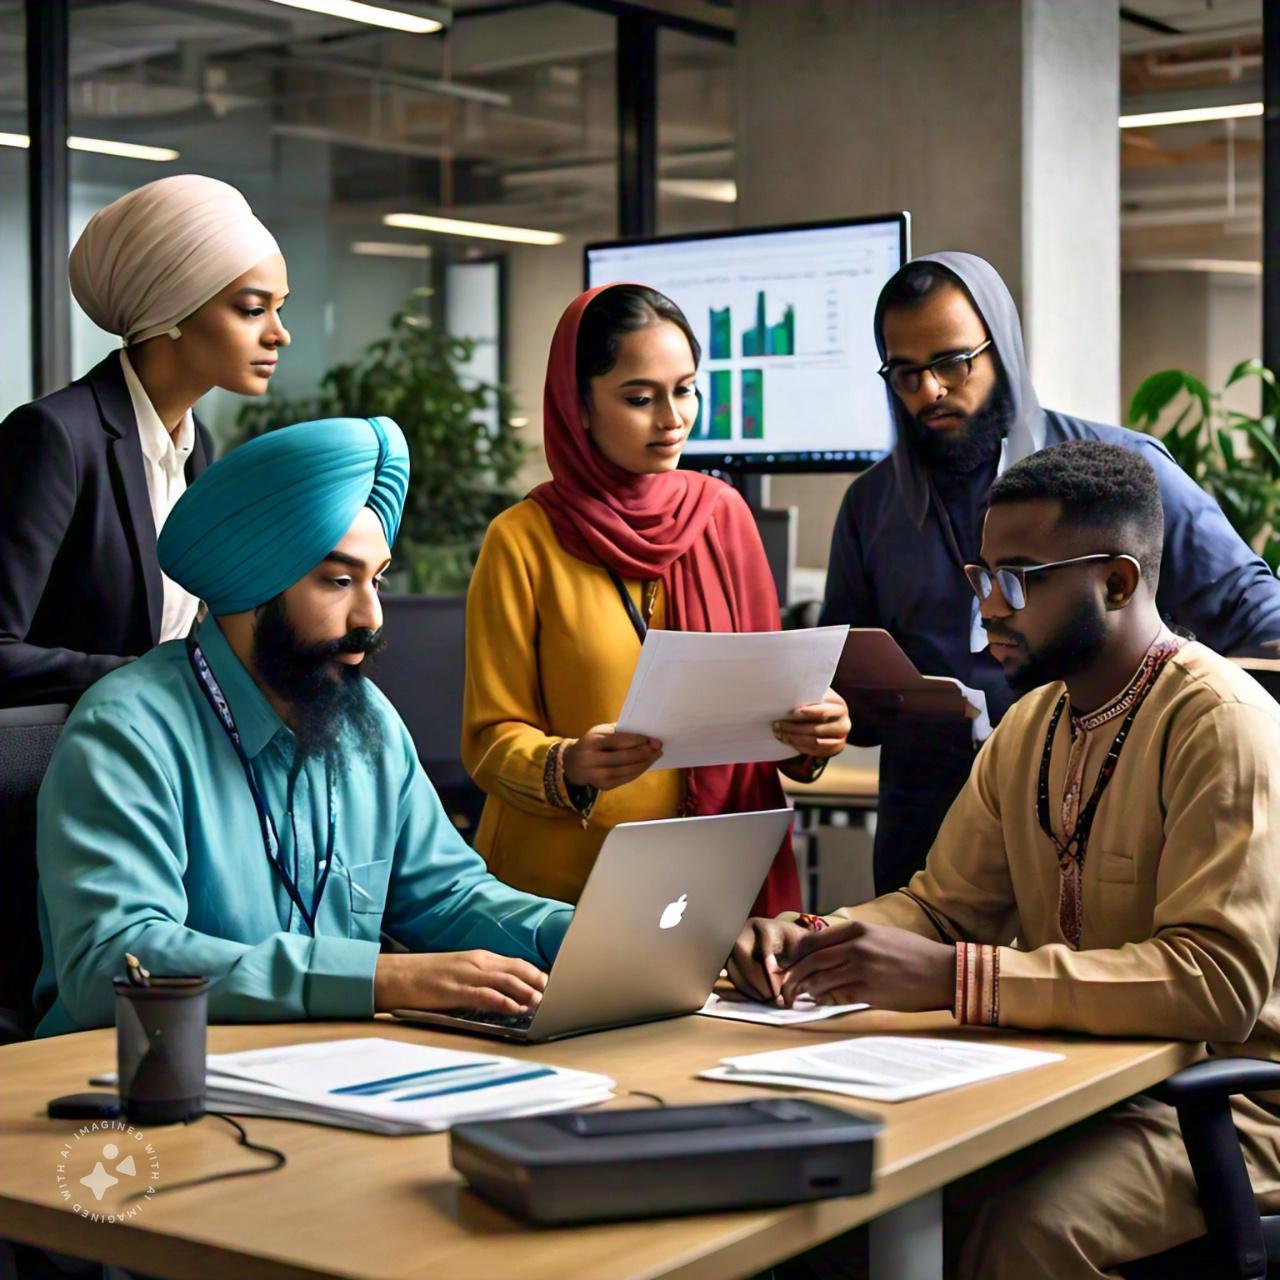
(164,460)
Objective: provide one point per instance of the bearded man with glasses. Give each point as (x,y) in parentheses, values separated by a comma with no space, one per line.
(1110,867)
(957,379)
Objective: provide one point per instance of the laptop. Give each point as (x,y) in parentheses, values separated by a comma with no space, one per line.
(656,921)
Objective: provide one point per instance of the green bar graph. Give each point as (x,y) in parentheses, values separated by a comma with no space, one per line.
(721,405)
(764,339)
(721,334)
(753,404)
(780,338)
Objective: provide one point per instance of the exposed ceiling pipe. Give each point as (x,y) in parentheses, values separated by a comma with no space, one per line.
(1243,217)
(1173,192)
(1233,65)
(1192,39)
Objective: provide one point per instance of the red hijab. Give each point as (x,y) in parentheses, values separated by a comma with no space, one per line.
(693,532)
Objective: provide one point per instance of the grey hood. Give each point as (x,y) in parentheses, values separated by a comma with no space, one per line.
(991,296)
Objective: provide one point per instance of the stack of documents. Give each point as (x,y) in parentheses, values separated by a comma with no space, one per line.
(391,1086)
(882,1068)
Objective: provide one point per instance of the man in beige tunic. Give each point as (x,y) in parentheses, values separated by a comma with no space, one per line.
(1111,867)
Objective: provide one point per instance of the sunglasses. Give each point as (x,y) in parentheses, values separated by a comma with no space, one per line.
(1012,579)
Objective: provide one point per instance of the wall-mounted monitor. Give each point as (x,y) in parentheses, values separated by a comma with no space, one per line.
(788,378)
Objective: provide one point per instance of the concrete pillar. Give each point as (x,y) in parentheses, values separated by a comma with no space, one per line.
(992,121)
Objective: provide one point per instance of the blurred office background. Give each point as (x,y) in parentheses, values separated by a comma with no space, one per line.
(1000,124)
(460,158)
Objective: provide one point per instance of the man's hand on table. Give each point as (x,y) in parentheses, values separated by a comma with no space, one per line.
(875,964)
(763,950)
(457,980)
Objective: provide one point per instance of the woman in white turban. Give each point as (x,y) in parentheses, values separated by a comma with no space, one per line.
(192,283)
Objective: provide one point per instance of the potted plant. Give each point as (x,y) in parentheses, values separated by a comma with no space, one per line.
(462,468)
(1232,455)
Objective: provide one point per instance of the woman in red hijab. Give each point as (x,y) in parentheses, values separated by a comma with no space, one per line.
(568,581)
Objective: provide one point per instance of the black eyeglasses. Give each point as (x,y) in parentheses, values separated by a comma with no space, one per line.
(1012,579)
(949,371)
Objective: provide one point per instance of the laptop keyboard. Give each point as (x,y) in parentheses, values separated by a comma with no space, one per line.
(516,1021)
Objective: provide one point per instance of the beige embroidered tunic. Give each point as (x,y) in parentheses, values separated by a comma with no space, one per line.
(1180,886)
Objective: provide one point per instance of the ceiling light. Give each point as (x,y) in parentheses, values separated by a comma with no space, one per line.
(390,249)
(1191,115)
(128,150)
(100,146)
(718,190)
(476,230)
(375,15)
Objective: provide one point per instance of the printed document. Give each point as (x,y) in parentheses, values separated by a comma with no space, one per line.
(740,1009)
(712,697)
(882,1068)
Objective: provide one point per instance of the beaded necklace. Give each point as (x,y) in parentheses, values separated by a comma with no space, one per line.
(1078,822)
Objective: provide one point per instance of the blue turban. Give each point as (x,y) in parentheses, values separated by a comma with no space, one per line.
(270,511)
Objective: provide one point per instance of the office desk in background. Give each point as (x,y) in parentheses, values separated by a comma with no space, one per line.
(376,1208)
(844,796)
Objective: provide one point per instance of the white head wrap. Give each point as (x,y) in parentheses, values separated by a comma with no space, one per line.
(161,252)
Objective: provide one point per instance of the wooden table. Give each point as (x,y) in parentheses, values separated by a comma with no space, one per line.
(360,1205)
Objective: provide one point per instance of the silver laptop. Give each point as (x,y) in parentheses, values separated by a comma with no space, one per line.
(655,923)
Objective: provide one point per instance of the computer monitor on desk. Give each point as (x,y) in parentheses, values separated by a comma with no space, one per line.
(421,672)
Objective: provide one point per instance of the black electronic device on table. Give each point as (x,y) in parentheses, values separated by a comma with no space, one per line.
(590,1166)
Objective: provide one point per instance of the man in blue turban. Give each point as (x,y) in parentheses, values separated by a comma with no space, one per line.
(244,804)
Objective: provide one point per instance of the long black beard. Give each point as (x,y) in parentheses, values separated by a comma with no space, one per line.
(332,715)
(1071,651)
(967,448)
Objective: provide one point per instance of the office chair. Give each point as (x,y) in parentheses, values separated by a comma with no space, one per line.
(1240,1243)
(27,738)
(421,672)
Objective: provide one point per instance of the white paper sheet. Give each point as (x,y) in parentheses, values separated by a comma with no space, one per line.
(712,697)
(882,1068)
(742,1010)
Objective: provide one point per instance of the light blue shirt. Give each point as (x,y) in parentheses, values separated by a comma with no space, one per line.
(149,843)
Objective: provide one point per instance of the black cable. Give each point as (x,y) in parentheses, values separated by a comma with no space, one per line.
(279,1160)
(644,1093)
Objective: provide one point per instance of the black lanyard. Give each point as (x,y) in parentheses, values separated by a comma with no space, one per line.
(637,621)
(270,840)
(1076,844)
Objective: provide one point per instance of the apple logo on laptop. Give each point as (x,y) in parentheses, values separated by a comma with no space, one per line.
(673,912)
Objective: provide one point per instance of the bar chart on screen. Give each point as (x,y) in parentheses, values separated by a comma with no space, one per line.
(784,321)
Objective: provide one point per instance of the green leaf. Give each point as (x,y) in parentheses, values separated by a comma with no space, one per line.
(461,469)
(1151,397)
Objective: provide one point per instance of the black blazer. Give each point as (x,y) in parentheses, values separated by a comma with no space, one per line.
(80,588)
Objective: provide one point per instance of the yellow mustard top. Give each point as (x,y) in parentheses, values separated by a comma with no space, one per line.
(550,652)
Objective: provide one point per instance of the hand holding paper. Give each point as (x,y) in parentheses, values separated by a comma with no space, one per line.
(712,698)
(819,731)
(604,758)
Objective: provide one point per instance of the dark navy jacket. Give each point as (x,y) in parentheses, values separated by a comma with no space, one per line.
(891,567)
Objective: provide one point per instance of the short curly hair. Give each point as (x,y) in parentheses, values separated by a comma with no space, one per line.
(1100,486)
